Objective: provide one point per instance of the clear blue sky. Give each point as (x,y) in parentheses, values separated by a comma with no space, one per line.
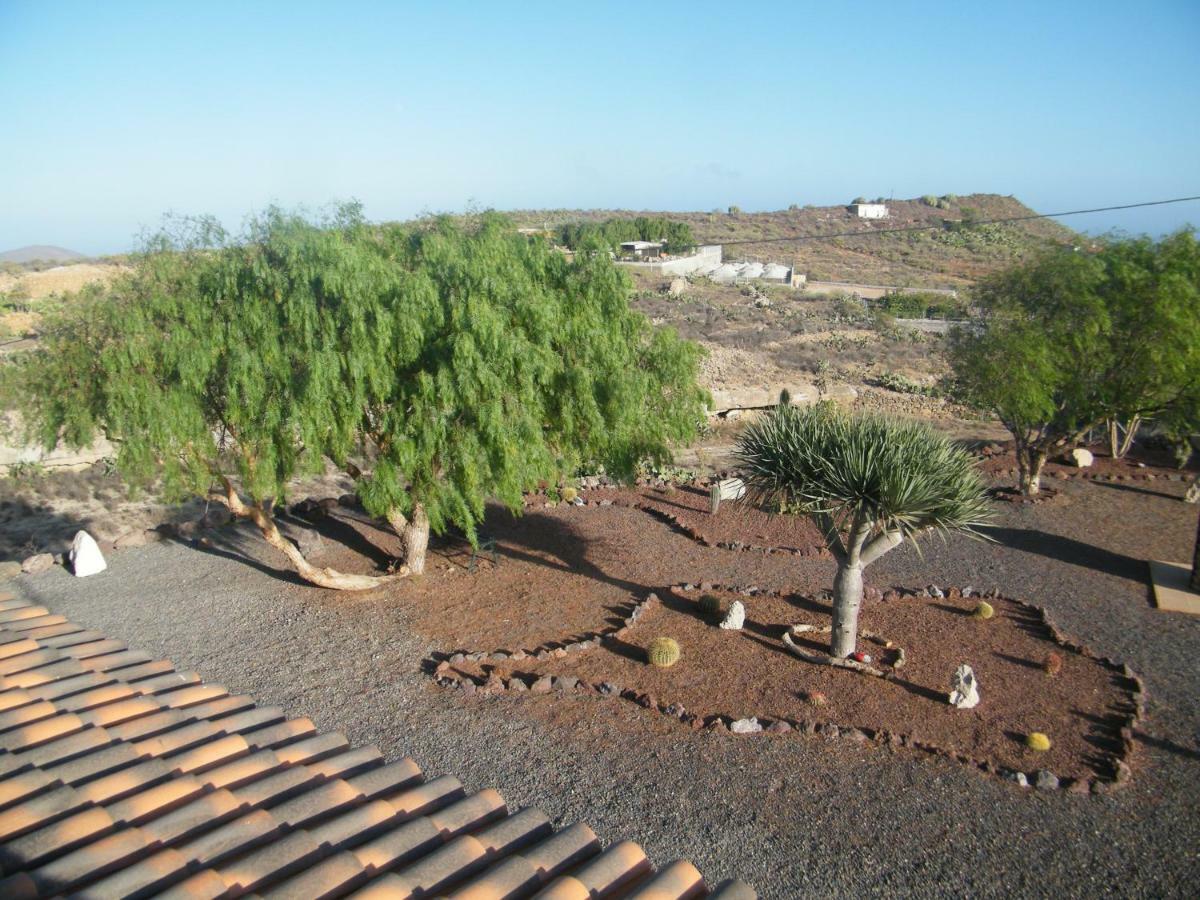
(113,113)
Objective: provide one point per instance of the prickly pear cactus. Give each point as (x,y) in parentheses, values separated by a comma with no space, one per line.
(663,652)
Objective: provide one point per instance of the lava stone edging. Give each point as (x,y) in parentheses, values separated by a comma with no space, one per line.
(492,683)
(442,663)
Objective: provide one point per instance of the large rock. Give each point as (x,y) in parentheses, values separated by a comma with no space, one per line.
(964,689)
(39,562)
(735,618)
(746,726)
(86,558)
(1082,458)
(678,287)
(10,568)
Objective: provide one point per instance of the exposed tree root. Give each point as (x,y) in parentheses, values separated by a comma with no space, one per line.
(322,577)
(826,659)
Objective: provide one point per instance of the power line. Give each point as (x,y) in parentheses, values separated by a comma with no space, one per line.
(970,224)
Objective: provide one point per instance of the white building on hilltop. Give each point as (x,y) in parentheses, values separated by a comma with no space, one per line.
(869,210)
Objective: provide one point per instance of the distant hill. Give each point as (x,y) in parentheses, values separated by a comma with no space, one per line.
(945,255)
(40,251)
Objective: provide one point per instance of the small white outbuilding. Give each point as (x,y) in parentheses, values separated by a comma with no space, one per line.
(869,210)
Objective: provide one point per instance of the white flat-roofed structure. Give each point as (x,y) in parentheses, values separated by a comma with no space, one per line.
(642,249)
(869,210)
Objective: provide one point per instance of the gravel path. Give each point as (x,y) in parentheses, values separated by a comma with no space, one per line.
(794,816)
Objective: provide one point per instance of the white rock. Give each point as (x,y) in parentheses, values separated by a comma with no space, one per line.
(746,726)
(1083,458)
(86,558)
(735,618)
(964,689)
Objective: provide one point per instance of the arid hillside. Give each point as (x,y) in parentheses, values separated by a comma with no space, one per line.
(947,255)
(23,293)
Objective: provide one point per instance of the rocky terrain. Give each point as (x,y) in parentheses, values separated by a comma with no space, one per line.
(944,255)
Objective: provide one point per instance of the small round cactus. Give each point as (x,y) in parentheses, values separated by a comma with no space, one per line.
(1037,741)
(1053,663)
(663,652)
(710,605)
(984,610)
(816,698)
(569,494)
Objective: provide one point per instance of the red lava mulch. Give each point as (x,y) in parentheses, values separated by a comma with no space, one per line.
(1139,465)
(737,675)
(738,525)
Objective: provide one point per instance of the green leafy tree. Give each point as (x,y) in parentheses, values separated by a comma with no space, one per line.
(528,369)
(1074,338)
(441,366)
(612,233)
(868,481)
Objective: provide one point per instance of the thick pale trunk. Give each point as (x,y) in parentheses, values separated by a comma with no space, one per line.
(1030,463)
(847,600)
(416,540)
(1130,435)
(326,578)
(1114,445)
(414,536)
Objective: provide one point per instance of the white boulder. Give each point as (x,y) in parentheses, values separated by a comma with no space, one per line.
(86,558)
(1082,458)
(964,689)
(735,618)
(746,726)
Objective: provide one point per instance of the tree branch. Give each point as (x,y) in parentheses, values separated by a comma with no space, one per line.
(881,544)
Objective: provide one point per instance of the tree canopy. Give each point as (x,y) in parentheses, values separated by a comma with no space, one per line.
(870,482)
(614,232)
(1077,337)
(442,365)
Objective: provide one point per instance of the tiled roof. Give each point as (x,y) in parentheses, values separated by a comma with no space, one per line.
(122,777)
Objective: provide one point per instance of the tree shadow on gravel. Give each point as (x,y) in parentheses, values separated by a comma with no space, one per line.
(1165,745)
(234,544)
(1135,490)
(1069,550)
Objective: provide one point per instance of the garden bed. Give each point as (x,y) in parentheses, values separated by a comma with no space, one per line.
(999,461)
(727,677)
(736,526)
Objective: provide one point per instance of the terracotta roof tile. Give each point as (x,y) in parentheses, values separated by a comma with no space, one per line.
(120,776)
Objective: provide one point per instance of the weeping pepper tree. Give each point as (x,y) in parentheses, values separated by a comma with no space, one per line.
(441,365)
(218,368)
(869,482)
(522,368)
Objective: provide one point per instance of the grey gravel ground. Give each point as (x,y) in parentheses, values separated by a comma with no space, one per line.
(795,816)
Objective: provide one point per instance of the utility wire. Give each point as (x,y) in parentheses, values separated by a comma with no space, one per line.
(963,224)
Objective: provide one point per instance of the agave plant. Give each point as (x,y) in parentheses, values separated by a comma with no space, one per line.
(868,481)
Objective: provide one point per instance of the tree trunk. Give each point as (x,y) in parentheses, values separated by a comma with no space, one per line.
(847,600)
(414,536)
(1030,462)
(416,540)
(1113,442)
(1131,431)
(326,578)
(1192,494)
